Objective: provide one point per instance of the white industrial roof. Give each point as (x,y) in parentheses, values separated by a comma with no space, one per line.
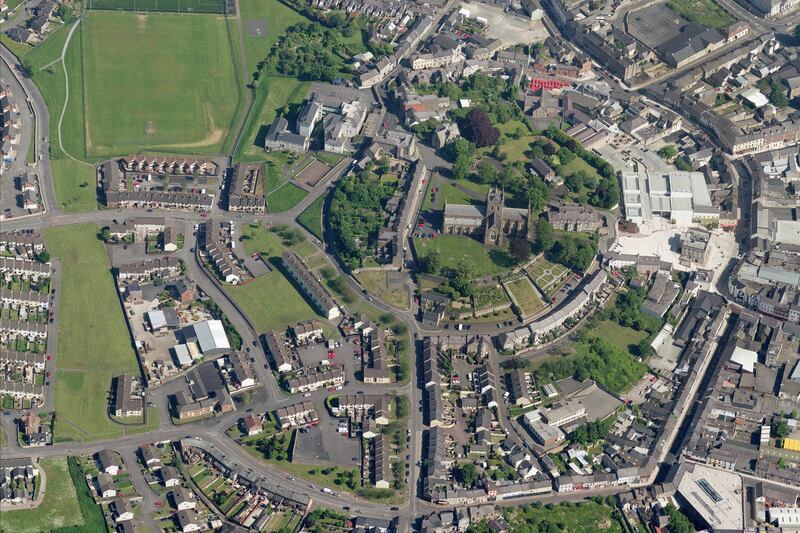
(182,354)
(211,336)
(744,357)
(157,319)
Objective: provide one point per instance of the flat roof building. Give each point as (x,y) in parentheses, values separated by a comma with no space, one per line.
(679,196)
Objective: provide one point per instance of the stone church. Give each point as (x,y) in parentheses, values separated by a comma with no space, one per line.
(491,223)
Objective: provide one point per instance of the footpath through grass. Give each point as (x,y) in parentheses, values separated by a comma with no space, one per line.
(93,340)
(311,218)
(73,180)
(58,509)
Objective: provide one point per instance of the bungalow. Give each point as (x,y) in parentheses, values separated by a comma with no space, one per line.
(187,521)
(251,424)
(150,457)
(122,510)
(107,463)
(170,240)
(183,499)
(105,486)
(170,476)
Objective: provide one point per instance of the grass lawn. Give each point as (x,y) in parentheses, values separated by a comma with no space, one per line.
(93,340)
(620,335)
(526,296)
(447,192)
(259,297)
(73,180)
(455,249)
(479,188)
(707,12)
(577,165)
(375,282)
(285,198)
(127,56)
(311,218)
(583,516)
(59,508)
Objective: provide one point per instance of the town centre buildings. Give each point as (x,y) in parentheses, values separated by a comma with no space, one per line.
(678,196)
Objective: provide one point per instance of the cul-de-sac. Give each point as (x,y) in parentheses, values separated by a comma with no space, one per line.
(399,266)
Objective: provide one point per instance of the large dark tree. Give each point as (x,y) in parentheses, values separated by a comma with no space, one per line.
(477,127)
(520,249)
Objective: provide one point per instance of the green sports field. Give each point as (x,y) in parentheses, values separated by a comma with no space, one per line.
(161,81)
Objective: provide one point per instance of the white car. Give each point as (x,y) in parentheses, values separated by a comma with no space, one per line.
(306,395)
(340,387)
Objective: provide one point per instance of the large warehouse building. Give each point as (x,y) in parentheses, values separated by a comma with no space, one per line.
(677,196)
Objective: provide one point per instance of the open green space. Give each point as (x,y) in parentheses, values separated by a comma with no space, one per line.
(567,516)
(455,249)
(160,81)
(176,6)
(311,218)
(93,341)
(58,509)
(73,179)
(285,198)
(613,368)
(271,300)
(614,333)
(448,193)
(526,296)
(375,282)
(707,12)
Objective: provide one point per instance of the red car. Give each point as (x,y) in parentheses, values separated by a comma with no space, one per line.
(331,355)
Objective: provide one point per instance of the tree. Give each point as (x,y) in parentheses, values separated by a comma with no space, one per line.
(777,97)
(683,163)
(466,474)
(538,194)
(544,238)
(431,263)
(477,128)
(668,152)
(487,172)
(520,249)
(43,256)
(781,429)
(26,67)
(461,279)
(678,523)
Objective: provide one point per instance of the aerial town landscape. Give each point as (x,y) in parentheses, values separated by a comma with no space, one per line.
(399,265)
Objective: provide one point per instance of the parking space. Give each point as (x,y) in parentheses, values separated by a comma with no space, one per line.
(324,445)
(311,355)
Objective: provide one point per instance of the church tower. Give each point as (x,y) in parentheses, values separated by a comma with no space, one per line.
(493,221)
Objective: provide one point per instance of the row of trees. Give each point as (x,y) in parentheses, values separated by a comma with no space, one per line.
(606,191)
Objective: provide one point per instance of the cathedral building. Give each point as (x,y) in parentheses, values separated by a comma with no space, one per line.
(491,223)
